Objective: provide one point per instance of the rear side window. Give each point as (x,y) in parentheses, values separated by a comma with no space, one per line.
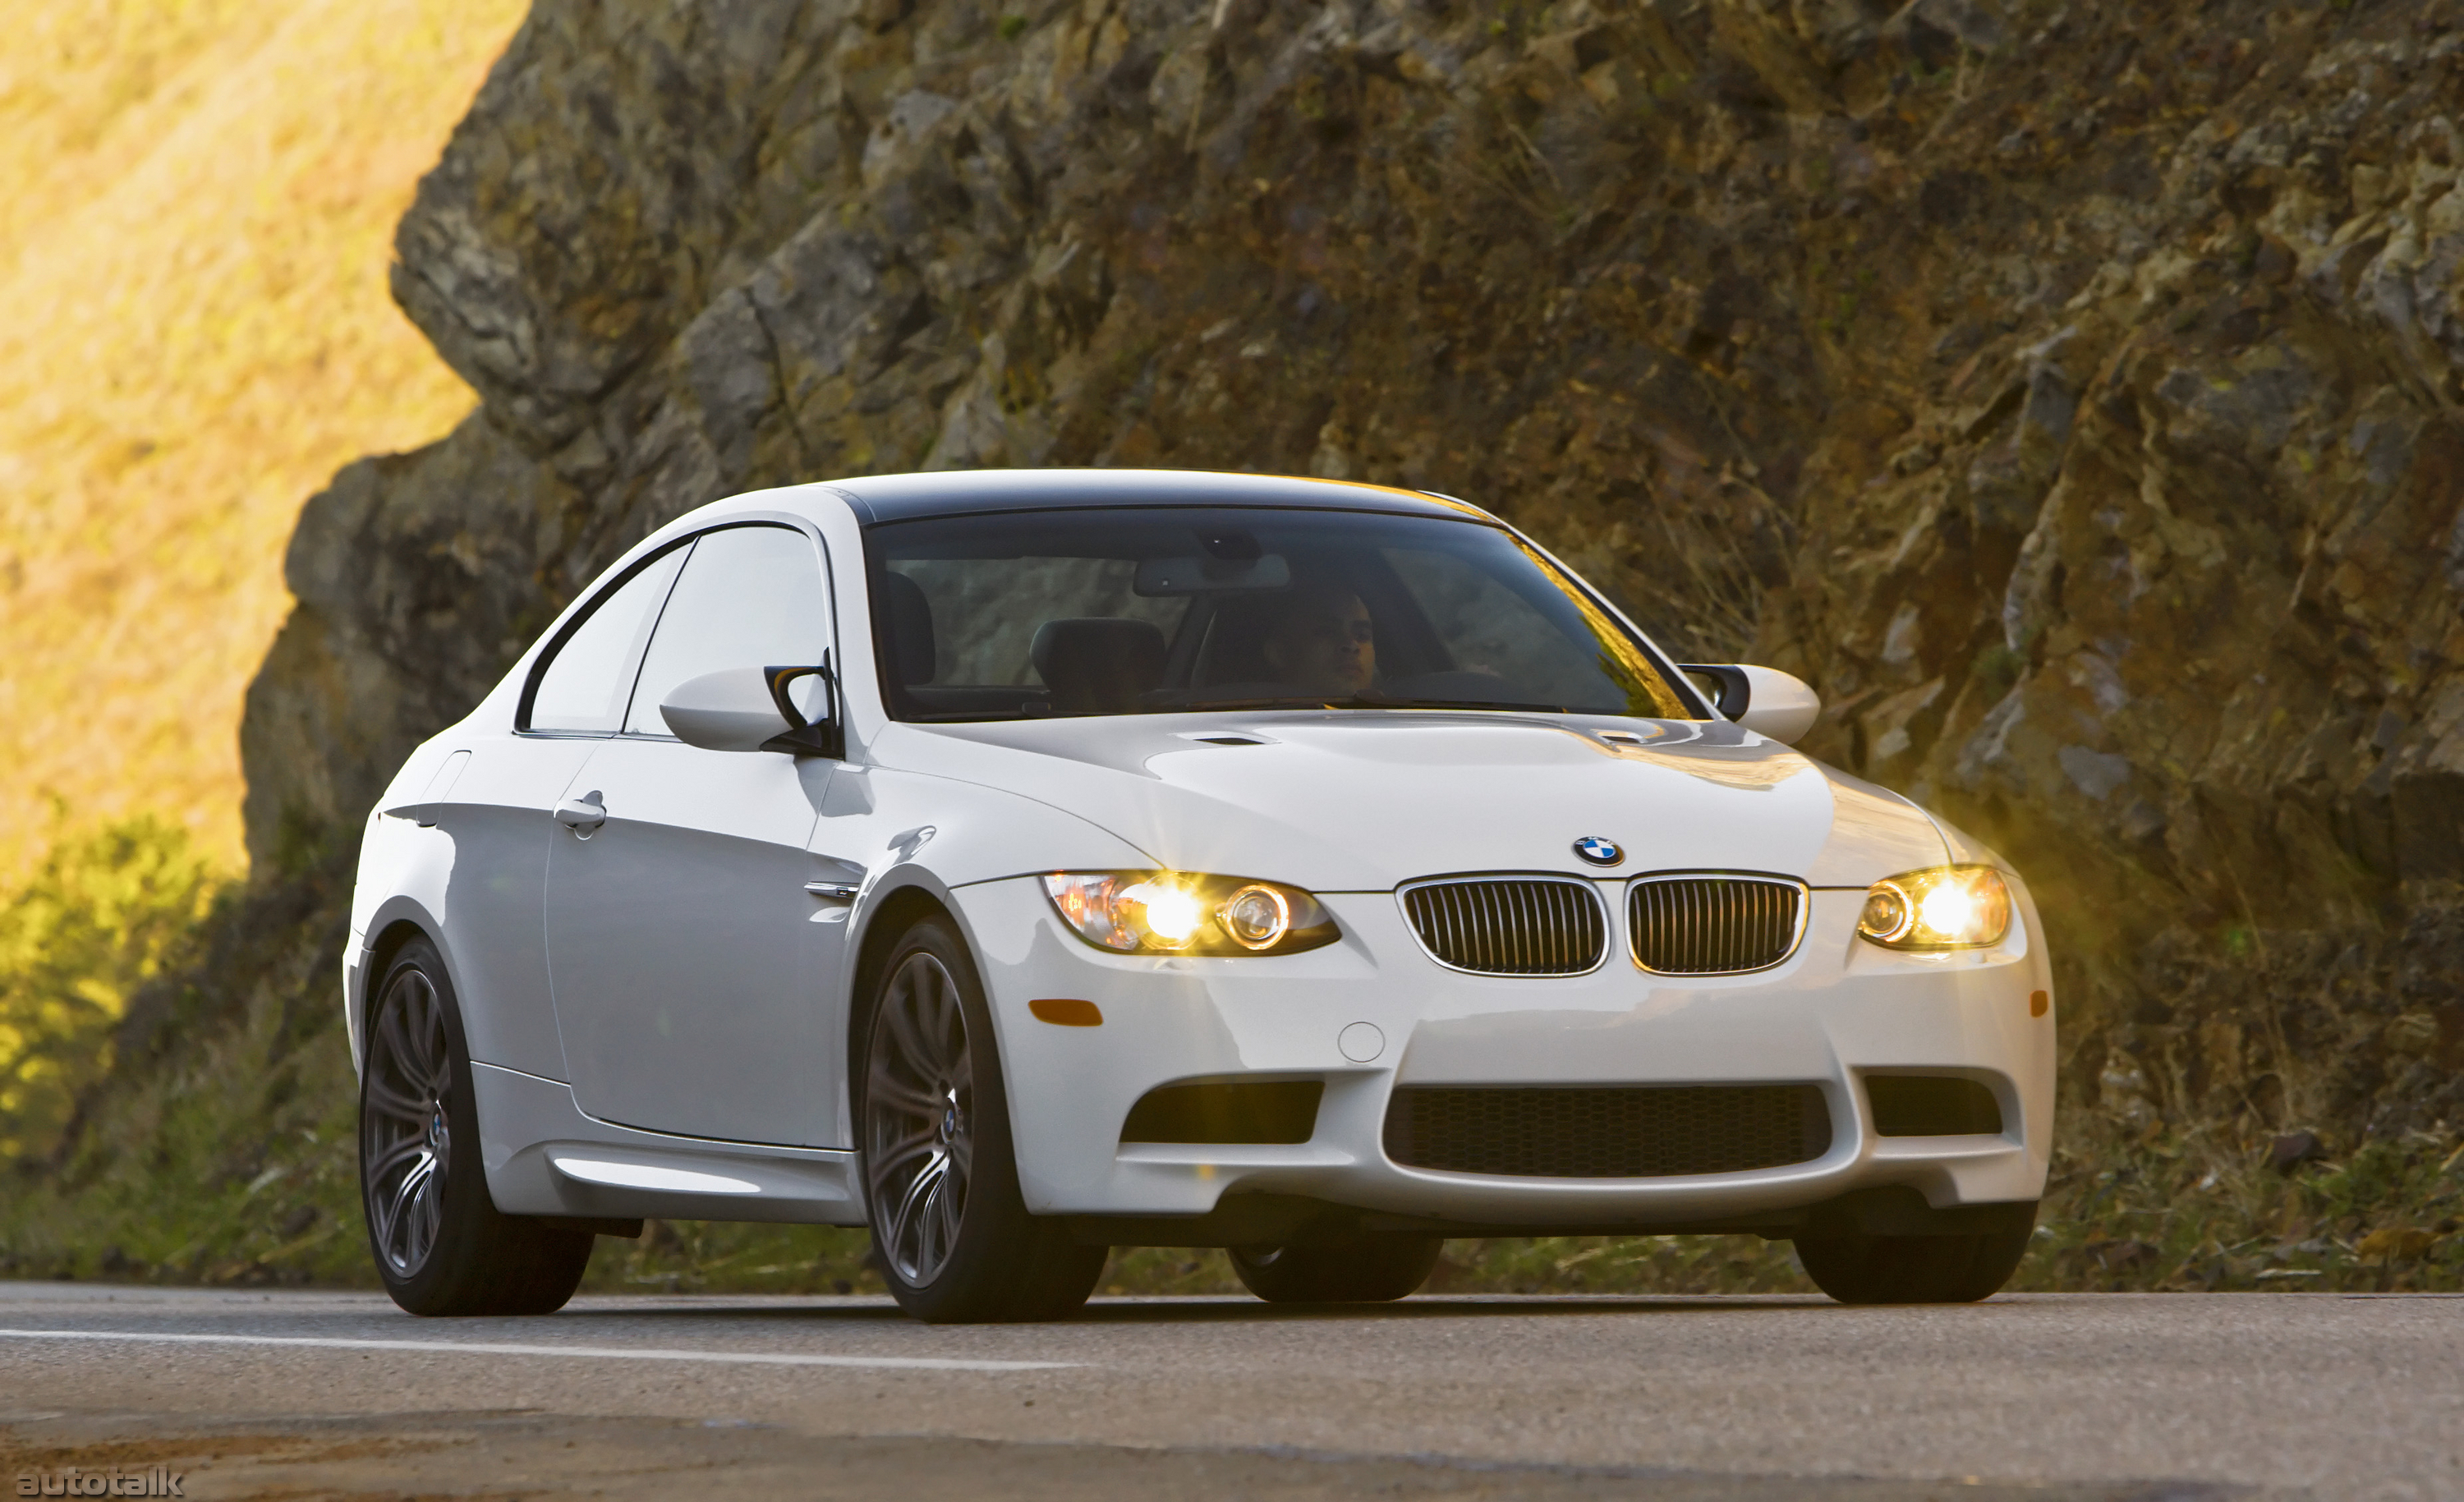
(751,596)
(582,689)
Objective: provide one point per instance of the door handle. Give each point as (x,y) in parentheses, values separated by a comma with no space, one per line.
(583,815)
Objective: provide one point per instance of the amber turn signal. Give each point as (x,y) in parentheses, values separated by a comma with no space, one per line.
(1068,1012)
(2037,1003)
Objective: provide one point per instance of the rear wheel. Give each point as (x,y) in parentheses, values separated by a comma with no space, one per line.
(1914,1269)
(1368,1267)
(950,1232)
(441,1245)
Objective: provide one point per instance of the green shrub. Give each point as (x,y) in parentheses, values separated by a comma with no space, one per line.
(106,912)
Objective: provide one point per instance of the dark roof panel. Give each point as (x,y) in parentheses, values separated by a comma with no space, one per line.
(901,498)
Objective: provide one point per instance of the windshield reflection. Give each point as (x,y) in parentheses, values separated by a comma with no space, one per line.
(1135,610)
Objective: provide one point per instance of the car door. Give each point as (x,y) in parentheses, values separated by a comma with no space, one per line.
(691,981)
(493,798)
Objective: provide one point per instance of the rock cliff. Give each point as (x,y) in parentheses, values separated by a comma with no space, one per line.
(2069,390)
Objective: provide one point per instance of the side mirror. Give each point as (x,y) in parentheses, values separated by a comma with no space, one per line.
(1764,700)
(792,709)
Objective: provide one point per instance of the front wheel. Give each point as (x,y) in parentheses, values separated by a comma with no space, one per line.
(950,1232)
(1914,1269)
(441,1245)
(1359,1270)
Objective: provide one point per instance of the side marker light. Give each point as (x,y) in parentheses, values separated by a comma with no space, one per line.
(1064,1012)
(2038,1003)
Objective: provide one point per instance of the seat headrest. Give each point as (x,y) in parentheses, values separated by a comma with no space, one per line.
(1098,665)
(911,628)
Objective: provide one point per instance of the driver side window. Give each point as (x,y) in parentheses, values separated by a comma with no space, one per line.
(750,596)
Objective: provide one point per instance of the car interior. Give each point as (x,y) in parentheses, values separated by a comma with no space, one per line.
(1214,653)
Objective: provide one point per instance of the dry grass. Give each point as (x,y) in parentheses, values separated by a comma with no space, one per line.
(197,200)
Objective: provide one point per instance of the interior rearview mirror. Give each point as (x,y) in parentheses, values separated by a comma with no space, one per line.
(791,709)
(1168,576)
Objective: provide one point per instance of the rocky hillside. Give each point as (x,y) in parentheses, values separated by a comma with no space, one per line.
(2069,390)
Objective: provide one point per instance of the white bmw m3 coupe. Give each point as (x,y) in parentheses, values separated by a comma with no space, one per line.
(1024,863)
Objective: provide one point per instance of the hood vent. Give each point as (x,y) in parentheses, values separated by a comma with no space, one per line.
(1509,925)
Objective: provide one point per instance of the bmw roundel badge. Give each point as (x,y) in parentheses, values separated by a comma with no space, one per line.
(1597,851)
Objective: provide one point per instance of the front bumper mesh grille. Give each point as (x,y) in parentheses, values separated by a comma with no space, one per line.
(1511,925)
(1714,924)
(1606,1132)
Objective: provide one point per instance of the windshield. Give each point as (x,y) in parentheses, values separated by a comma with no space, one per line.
(1129,611)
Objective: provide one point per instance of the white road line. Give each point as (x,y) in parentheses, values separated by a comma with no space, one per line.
(617,1353)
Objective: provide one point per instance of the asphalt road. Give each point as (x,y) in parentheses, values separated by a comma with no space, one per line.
(2142,1396)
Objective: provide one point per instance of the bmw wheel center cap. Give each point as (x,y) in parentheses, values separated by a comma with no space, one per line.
(1599,851)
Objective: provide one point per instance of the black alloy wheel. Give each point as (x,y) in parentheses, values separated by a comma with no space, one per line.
(950,1232)
(1368,1267)
(441,1245)
(919,1138)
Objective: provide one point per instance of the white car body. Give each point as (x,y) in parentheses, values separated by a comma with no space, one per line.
(667,1033)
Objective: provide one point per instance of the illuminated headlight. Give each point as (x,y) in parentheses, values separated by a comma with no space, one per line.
(1941,907)
(1172,912)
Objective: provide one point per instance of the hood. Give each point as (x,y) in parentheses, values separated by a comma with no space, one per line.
(1340,801)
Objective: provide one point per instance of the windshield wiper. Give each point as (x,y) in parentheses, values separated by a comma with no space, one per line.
(1354,702)
(1262,702)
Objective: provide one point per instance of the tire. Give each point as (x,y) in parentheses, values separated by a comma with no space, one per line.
(1359,1270)
(1914,1269)
(950,1232)
(440,1244)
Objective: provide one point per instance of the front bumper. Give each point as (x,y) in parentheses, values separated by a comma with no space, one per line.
(1835,1011)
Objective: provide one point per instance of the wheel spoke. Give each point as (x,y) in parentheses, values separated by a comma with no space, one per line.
(427,1213)
(393,1028)
(915,1050)
(430,1061)
(888,1161)
(915,1221)
(904,1227)
(949,1198)
(401,1231)
(381,1217)
(395,1156)
(891,1094)
(395,1103)
(948,1024)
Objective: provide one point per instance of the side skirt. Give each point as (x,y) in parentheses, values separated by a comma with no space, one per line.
(545,1158)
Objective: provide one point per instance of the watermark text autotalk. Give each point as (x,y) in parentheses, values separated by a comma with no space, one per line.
(108,1481)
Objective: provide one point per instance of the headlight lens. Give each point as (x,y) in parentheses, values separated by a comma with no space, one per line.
(1172,912)
(1941,907)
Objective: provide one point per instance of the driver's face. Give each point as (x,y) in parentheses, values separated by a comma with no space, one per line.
(1326,646)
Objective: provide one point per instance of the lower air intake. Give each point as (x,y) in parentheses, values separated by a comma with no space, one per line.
(1930,1106)
(1263,1112)
(1611,1132)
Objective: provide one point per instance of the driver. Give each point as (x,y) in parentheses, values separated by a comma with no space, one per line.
(1322,642)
